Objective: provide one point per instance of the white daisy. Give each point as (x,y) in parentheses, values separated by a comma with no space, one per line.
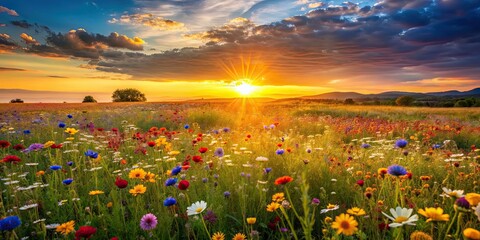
(477,211)
(401,216)
(451,193)
(329,208)
(196,208)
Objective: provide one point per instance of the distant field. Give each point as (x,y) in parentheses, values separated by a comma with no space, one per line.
(265,170)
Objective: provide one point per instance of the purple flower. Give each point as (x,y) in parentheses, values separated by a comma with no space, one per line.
(34,147)
(267,170)
(170,182)
(226,129)
(396,170)
(148,222)
(463,203)
(61,124)
(219,152)
(401,143)
(315,201)
(365,145)
(226,194)
(210,217)
(280,151)
(69,116)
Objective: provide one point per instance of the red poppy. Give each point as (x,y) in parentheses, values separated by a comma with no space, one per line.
(85,232)
(203,150)
(114,238)
(197,159)
(183,185)
(121,183)
(283,180)
(249,136)
(56,146)
(4,144)
(11,159)
(360,183)
(19,147)
(151,144)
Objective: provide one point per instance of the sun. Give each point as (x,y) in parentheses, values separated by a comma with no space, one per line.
(244,88)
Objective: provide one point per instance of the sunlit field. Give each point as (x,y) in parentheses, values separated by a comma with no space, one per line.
(238,169)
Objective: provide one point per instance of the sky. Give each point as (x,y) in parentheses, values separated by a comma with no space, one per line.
(187,49)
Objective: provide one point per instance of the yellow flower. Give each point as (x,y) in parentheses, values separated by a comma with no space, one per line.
(137,173)
(149,177)
(161,141)
(173,153)
(356,211)
(69,138)
(66,228)
(345,224)
(71,131)
(109,204)
(138,189)
(218,236)
(328,219)
(434,214)
(471,233)
(273,206)
(239,236)
(95,192)
(419,235)
(48,144)
(278,197)
(251,220)
(473,198)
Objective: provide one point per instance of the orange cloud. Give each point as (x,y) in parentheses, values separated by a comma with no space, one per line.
(10,12)
(28,39)
(150,20)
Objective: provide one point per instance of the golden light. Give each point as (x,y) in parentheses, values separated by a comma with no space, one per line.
(244,88)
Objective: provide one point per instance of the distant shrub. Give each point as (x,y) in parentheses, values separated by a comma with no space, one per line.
(405,101)
(89,99)
(128,95)
(349,101)
(17,100)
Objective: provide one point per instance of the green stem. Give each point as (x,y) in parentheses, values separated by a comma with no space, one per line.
(459,222)
(205,226)
(451,224)
(289,223)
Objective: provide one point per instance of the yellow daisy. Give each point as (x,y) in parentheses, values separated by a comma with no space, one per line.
(345,224)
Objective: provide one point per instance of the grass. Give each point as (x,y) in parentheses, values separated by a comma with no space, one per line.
(322,153)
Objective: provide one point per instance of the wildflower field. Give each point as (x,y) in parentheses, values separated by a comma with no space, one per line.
(238,170)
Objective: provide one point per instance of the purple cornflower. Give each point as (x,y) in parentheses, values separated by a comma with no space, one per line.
(280,151)
(401,143)
(148,222)
(210,217)
(33,147)
(396,170)
(219,152)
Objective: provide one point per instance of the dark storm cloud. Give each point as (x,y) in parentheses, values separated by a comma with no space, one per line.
(22,24)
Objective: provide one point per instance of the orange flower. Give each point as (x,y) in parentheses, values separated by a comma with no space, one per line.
(283,180)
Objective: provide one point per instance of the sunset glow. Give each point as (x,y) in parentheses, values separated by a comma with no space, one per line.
(174,50)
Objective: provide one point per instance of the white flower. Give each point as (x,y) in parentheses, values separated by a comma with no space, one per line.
(261,159)
(401,216)
(196,208)
(477,211)
(451,193)
(329,208)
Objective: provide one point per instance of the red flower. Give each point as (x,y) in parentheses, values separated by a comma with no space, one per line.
(283,180)
(151,144)
(183,185)
(56,146)
(197,159)
(121,183)
(114,238)
(4,144)
(19,147)
(360,182)
(203,150)
(11,159)
(85,232)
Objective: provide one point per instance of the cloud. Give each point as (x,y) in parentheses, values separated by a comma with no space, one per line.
(6,45)
(391,41)
(28,39)
(149,20)
(2,69)
(10,12)
(22,24)
(79,43)
(444,82)
(55,76)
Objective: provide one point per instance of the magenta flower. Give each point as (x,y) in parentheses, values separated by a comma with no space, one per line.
(148,222)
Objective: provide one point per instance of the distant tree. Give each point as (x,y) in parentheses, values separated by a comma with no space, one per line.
(16,100)
(404,101)
(461,103)
(128,95)
(89,99)
(349,101)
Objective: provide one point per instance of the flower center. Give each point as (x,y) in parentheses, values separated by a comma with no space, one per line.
(345,225)
(199,210)
(400,219)
(452,194)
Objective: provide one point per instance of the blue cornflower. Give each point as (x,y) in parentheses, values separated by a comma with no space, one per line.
(280,151)
(55,167)
(170,181)
(67,181)
(435,146)
(226,129)
(70,163)
(69,116)
(10,223)
(396,170)
(26,131)
(170,201)
(92,154)
(267,170)
(176,170)
(186,126)
(61,124)
(401,143)
(219,152)
(365,145)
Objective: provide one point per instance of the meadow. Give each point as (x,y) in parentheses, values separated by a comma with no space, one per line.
(238,170)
